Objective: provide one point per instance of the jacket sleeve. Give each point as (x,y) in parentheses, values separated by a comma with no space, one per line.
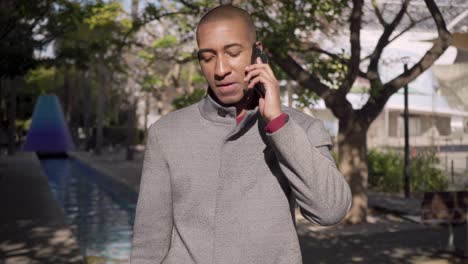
(322,193)
(152,231)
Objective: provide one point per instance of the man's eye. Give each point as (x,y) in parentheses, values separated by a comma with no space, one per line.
(207,59)
(234,54)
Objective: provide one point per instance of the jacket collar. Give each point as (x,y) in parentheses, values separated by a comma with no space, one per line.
(213,111)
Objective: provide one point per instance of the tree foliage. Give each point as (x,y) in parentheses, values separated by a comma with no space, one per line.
(26,29)
(100,30)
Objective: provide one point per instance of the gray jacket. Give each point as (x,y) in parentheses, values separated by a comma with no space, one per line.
(213,192)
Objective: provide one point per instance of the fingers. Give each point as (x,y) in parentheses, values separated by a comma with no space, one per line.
(258,69)
(252,73)
(257,79)
(260,65)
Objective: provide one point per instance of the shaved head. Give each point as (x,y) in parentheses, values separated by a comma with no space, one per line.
(226,13)
(225,39)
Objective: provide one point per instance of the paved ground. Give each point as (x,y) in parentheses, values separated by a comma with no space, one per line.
(388,237)
(32,225)
(392,234)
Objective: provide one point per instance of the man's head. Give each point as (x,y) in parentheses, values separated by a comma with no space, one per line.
(225,36)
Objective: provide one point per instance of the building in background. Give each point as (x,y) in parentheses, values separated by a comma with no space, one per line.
(437,98)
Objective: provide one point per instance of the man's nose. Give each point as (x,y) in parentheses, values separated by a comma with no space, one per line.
(222,67)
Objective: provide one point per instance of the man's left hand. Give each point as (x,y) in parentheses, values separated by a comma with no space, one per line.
(270,106)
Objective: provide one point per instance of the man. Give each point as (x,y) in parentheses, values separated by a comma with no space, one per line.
(221,177)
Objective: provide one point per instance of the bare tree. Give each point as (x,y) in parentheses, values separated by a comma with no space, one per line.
(353,124)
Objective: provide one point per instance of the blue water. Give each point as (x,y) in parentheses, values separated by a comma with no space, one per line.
(99,211)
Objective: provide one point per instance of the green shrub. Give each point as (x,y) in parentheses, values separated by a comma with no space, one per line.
(425,176)
(386,172)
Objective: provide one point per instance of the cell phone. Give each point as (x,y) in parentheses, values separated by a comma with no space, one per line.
(257,52)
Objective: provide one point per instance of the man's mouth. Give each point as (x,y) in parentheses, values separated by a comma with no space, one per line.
(224,84)
(227,87)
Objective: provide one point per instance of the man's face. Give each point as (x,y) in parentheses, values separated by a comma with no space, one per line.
(224,52)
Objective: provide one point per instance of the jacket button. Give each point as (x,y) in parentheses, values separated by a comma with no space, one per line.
(222,112)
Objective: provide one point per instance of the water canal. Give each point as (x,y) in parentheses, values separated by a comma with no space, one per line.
(98,210)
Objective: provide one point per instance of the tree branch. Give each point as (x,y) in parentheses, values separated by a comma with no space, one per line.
(378,100)
(304,78)
(384,39)
(189,5)
(355,40)
(329,54)
(378,14)
(339,105)
(362,74)
(410,26)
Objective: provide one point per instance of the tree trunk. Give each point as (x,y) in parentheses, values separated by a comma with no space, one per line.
(74,86)
(3,99)
(290,91)
(66,96)
(190,77)
(11,114)
(147,110)
(100,108)
(87,108)
(131,129)
(352,151)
